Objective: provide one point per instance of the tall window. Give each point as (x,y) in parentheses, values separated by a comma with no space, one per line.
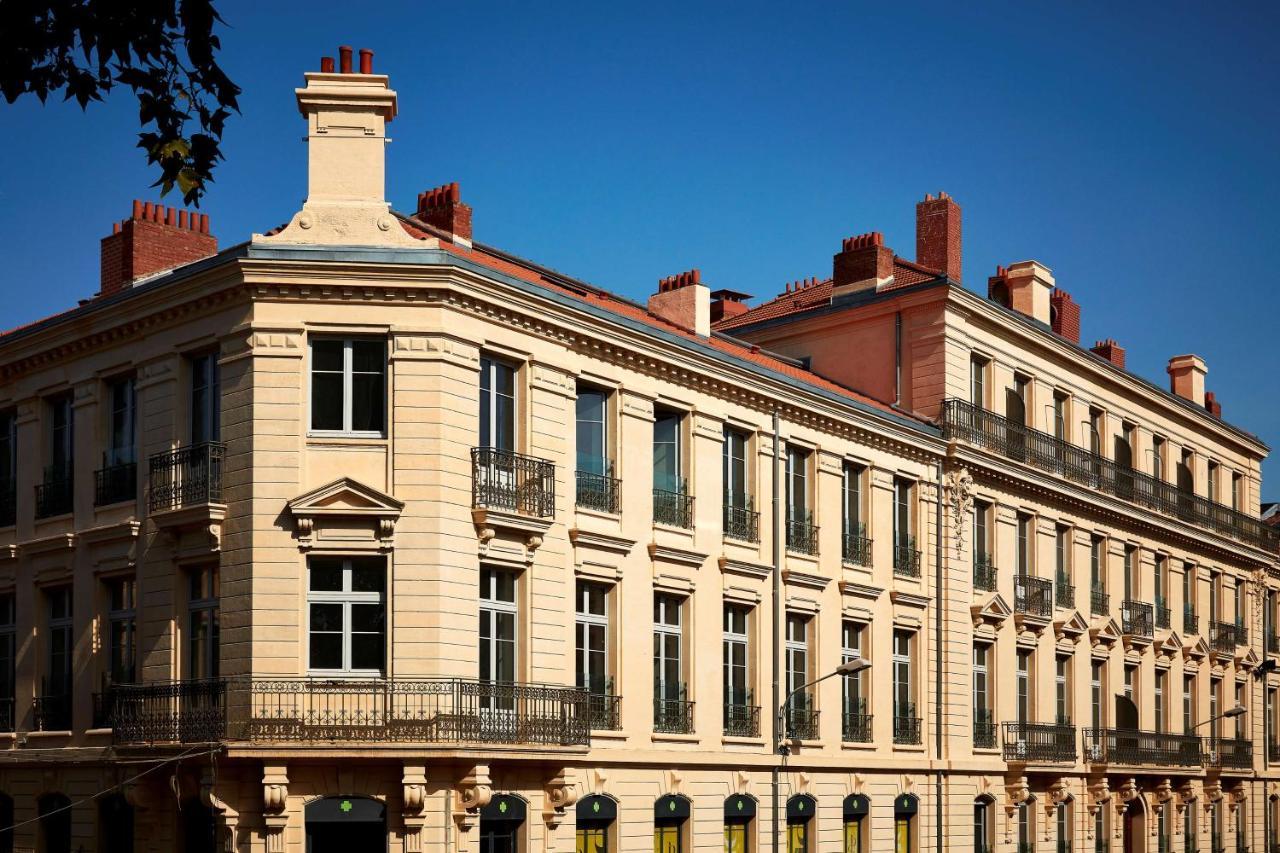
(497,404)
(8,467)
(122,621)
(206,399)
(797,657)
(1026,825)
(1130,572)
(1097,696)
(983,825)
(1240,720)
(854,691)
(1211,484)
(499,627)
(1158,700)
(800,809)
(668,641)
(61,442)
(978,381)
(1025,534)
(202,623)
(595,817)
(737,689)
(903,686)
(593,434)
(982,513)
(1189,588)
(1060,416)
(1062,553)
(738,813)
(1023,695)
(856,808)
(851,493)
(905,809)
(1063,821)
(1097,563)
(903,517)
(1215,702)
(1100,827)
(61,644)
(1130,676)
(1157,457)
(797,483)
(981,684)
(1095,431)
(1062,690)
(1188,704)
(8,660)
(670,813)
(347,621)
(736,487)
(120,440)
(592,638)
(668,463)
(1237,491)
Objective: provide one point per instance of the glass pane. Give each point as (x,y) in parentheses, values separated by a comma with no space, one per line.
(368,407)
(326,401)
(367,576)
(326,651)
(326,617)
(367,651)
(326,574)
(368,618)
(368,357)
(326,355)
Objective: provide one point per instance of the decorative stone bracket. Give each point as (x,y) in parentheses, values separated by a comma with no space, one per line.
(275,796)
(474,791)
(414,798)
(558,796)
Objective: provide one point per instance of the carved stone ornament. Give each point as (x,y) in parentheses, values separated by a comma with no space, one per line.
(960,503)
(223,813)
(559,795)
(473,793)
(1163,792)
(275,795)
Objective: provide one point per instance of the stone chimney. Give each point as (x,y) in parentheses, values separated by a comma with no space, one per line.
(684,301)
(1110,350)
(347,113)
(1212,405)
(155,238)
(1029,285)
(443,208)
(938,234)
(1186,377)
(1064,315)
(864,263)
(728,303)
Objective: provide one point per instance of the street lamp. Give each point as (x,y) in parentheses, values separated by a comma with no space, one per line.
(849,667)
(1225,715)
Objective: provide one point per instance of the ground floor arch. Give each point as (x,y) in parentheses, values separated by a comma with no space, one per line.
(346,825)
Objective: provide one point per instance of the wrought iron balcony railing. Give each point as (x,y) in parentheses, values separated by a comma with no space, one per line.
(187,476)
(906,559)
(501,479)
(599,492)
(1222,637)
(1099,601)
(52,712)
(1136,618)
(8,502)
(741,714)
(56,495)
(1032,596)
(1039,742)
(741,520)
(855,549)
(984,729)
(674,509)
(7,720)
(673,711)
(1190,622)
(1236,753)
(801,718)
(603,705)
(802,534)
(1136,747)
(985,575)
(855,726)
(906,725)
(1064,592)
(1273,643)
(1242,633)
(1162,615)
(115,483)
(974,425)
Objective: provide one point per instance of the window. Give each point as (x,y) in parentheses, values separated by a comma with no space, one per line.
(1237,491)
(800,809)
(1023,695)
(736,657)
(1186,469)
(1189,591)
(668,640)
(739,810)
(206,399)
(595,817)
(61,645)
(1100,827)
(1097,563)
(851,492)
(903,529)
(978,381)
(54,811)
(593,434)
(1130,572)
(1025,534)
(1188,704)
(982,513)
(348,385)
(1130,677)
(202,623)
(8,660)
(983,825)
(1159,580)
(670,813)
(1062,690)
(1240,703)
(498,627)
(347,614)
(1063,821)
(1097,695)
(592,638)
(903,685)
(61,442)
(856,809)
(8,467)
(1157,700)
(797,661)
(1211,484)
(497,404)
(120,427)
(1062,553)
(1095,431)
(853,688)
(668,464)
(797,474)
(1026,825)
(1157,457)
(905,808)
(982,720)
(1215,702)
(122,620)
(1060,416)
(736,487)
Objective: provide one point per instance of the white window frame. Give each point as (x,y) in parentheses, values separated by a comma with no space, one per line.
(584,620)
(669,622)
(852,685)
(348,371)
(797,649)
(733,639)
(347,597)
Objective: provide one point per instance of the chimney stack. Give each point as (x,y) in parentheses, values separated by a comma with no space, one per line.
(684,301)
(864,263)
(1064,315)
(443,208)
(1211,403)
(347,114)
(1028,285)
(938,234)
(728,303)
(1110,350)
(1186,377)
(153,239)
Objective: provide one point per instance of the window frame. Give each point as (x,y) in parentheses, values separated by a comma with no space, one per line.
(736,468)
(678,484)
(733,640)
(602,464)
(206,379)
(122,620)
(348,383)
(198,605)
(585,619)
(122,404)
(348,598)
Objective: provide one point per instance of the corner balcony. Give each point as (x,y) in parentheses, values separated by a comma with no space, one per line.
(1035,743)
(1134,747)
(973,425)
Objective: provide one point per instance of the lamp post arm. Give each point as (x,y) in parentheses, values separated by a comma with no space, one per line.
(782,709)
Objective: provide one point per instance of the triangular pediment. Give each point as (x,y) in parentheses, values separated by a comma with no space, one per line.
(345,496)
(1198,650)
(1248,660)
(993,612)
(1072,626)
(1171,646)
(1106,632)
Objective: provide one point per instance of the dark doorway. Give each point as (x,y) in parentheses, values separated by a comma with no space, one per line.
(6,819)
(1135,827)
(115,825)
(346,825)
(198,828)
(500,824)
(55,823)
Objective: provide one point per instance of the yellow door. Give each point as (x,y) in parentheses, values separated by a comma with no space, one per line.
(853,836)
(902,835)
(592,840)
(735,838)
(666,839)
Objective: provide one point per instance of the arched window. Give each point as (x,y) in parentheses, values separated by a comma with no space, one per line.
(670,816)
(905,809)
(54,811)
(6,819)
(739,813)
(501,823)
(983,824)
(115,825)
(800,811)
(856,824)
(596,815)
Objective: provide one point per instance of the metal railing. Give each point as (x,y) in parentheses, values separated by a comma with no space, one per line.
(1039,742)
(1236,753)
(8,502)
(599,492)
(985,576)
(906,559)
(1162,615)
(1137,747)
(604,707)
(1064,592)
(984,729)
(674,509)
(1099,601)
(1190,622)
(741,521)
(501,479)
(7,720)
(56,495)
(186,476)
(974,425)
(1136,618)
(1032,596)
(802,534)
(855,549)
(855,725)
(673,712)
(115,483)
(906,725)
(801,718)
(741,714)
(1242,633)
(52,711)
(1222,637)
(1272,643)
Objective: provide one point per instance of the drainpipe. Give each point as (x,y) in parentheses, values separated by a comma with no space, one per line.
(938,666)
(777,620)
(897,359)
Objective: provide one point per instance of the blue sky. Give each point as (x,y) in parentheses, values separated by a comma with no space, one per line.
(1130,147)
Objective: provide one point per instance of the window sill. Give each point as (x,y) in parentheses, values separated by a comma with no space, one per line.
(105,732)
(608,734)
(674,738)
(909,747)
(346,438)
(596,513)
(859,746)
(49,735)
(331,675)
(730,740)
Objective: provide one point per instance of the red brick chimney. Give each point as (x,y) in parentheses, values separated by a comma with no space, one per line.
(1064,315)
(1211,403)
(443,208)
(938,234)
(1110,350)
(728,303)
(153,239)
(684,301)
(863,262)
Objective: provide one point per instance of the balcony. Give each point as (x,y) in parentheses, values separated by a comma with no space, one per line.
(1242,633)
(802,534)
(672,710)
(673,508)
(855,549)
(985,576)
(855,724)
(1272,642)
(984,729)
(906,725)
(603,705)
(1039,742)
(1222,637)
(599,492)
(1033,596)
(55,496)
(1064,592)
(8,502)
(503,480)
(801,718)
(114,484)
(1137,619)
(741,715)
(187,476)
(906,559)
(1099,601)
(1190,622)
(741,521)
(52,711)
(1135,747)
(1230,752)
(1162,615)
(976,426)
